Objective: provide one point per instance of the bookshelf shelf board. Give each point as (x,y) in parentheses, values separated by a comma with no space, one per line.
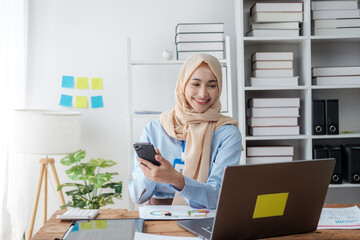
(256,138)
(339,136)
(163,62)
(336,38)
(336,86)
(344,185)
(275,88)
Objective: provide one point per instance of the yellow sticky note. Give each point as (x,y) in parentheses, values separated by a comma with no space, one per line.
(96,83)
(82,83)
(81,102)
(86,225)
(101,224)
(270,205)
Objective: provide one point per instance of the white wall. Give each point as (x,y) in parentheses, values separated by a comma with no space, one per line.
(88,38)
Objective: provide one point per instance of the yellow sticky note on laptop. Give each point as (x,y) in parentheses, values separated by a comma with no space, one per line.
(86,225)
(82,83)
(96,83)
(101,224)
(270,205)
(81,102)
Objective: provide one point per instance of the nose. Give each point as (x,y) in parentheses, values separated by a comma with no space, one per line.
(203,92)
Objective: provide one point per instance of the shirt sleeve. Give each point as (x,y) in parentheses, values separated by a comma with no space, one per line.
(226,153)
(141,189)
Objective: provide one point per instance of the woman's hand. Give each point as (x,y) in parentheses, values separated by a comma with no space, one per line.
(165,173)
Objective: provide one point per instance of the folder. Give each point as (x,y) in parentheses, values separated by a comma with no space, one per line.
(318,117)
(351,166)
(332,116)
(320,152)
(335,152)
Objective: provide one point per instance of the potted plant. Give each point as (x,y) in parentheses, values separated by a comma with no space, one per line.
(89,194)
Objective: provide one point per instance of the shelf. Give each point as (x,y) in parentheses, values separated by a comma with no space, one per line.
(344,185)
(339,136)
(335,86)
(256,40)
(275,88)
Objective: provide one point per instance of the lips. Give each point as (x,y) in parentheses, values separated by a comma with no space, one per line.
(201,101)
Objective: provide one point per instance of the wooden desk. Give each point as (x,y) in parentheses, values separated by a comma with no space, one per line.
(54,228)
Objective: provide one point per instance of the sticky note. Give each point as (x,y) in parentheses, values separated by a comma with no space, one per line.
(96,83)
(97,102)
(82,83)
(65,100)
(67,82)
(81,102)
(75,228)
(86,225)
(270,205)
(101,224)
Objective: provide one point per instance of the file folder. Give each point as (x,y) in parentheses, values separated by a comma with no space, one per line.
(332,116)
(318,117)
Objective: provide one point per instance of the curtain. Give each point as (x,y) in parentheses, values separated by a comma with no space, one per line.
(13,57)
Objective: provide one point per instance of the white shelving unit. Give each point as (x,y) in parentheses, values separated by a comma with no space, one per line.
(309,51)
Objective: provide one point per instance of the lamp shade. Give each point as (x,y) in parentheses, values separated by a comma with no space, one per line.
(46,132)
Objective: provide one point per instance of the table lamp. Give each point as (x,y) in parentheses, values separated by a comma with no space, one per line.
(46,132)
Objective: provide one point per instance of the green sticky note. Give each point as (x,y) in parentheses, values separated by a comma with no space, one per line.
(96,83)
(81,102)
(270,205)
(82,83)
(86,225)
(101,224)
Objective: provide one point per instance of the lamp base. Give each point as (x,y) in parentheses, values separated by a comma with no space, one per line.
(44,162)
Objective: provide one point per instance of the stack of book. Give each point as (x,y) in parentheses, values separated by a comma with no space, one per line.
(336,17)
(273,69)
(194,38)
(336,75)
(275,19)
(267,154)
(273,116)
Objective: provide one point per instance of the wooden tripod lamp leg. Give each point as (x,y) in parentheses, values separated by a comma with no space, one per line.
(45,194)
(53,169)
(34,209)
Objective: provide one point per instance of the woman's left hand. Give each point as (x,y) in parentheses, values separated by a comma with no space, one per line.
(165,173)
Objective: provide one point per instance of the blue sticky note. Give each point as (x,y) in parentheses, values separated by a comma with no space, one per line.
(97,102)
(65,100)
(67,82)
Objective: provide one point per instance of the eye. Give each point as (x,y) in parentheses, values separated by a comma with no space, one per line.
(195,84)
(213,85)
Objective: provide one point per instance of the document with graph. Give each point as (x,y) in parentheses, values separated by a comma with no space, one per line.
(340,218)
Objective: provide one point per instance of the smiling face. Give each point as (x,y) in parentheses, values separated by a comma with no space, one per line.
(202,89)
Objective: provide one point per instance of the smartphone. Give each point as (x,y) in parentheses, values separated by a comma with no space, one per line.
(146,151)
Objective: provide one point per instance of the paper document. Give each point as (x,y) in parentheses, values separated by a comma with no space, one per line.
(340,218)
(171,212)
(146,236)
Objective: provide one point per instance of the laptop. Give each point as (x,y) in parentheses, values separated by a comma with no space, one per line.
(266,200)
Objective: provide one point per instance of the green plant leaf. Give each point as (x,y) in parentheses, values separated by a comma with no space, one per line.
(81,171)
(79,155)
(99,162)
(117,186)
(101,178)
(72,158)
(61,186)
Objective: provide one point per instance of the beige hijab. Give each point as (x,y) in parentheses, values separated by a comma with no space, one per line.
(183,123)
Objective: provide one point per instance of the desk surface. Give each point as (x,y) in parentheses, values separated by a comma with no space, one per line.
(56,228)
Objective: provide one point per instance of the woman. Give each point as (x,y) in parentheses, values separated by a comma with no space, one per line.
(194,142)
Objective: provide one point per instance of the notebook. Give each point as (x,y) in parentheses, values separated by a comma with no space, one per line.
(265,200)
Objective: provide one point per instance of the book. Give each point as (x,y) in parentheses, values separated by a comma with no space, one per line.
(271,64)
(274,131)
(274,82)
(336,71)
(273,73)
(337,31)
(272,121)
(330,14)
(264,56)
(276,25)
(199,37)
(334,5)
(200,46)
(262,160)
(274,102)
(340,80)
(337,23)
(199,27)
(273,33)
(185,55)
(276,17)
(257,151)
(276,7)
(273,112)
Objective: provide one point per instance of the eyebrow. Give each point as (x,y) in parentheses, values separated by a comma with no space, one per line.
(198,79)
